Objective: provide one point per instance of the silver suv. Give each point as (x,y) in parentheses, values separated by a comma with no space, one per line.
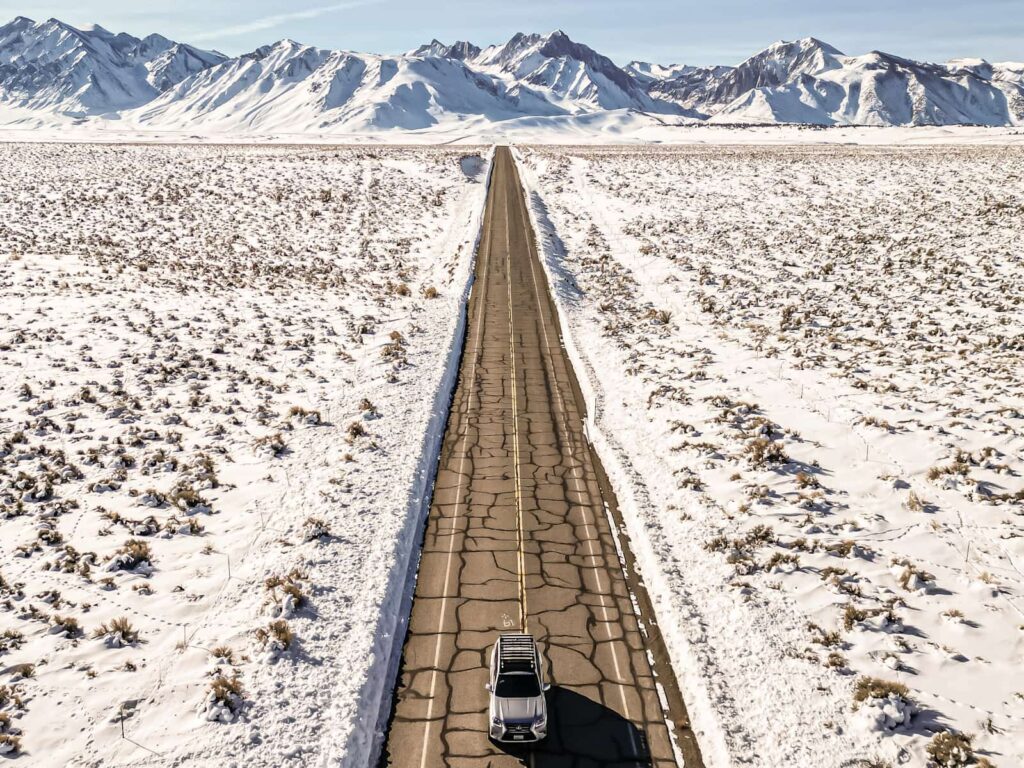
(518,711)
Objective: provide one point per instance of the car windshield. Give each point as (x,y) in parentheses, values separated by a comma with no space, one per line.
(517,685)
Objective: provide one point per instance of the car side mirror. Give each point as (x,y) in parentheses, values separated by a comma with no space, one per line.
(487,686)
(546,687)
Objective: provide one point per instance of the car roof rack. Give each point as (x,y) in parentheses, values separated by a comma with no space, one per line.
(517,653)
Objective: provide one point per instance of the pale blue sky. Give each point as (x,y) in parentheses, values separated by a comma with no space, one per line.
(666,31)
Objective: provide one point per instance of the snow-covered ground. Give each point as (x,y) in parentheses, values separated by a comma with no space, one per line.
(610,127)
(225,372)
(805,368)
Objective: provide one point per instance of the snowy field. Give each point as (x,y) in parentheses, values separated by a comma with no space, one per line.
(223,372)
(805,368)
(611,127)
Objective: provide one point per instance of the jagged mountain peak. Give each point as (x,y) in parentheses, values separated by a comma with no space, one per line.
(797,56)
(88,32)
(96,29)
(555,44)
(434,48)
(568,72)
(460,50)
(805,43)
(154,41)
(288,44)
(647,73)
(711,89)
(285,47)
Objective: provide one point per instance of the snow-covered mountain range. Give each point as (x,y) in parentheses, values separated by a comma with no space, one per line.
(55,67)
(54,74)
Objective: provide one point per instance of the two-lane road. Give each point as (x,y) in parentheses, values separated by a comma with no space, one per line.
(519,538)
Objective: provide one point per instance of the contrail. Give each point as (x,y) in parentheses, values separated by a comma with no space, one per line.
(268,22)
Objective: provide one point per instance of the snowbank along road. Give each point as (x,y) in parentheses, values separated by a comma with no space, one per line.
(803,369)
(223,372)
(522,537)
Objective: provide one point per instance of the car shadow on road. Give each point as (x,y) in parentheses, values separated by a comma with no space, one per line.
(582,732)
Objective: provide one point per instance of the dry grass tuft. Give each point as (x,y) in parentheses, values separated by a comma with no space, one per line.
(874,688)
(763,452)
(131,555)
(315,528)
(228,691)
(120,629)
(951,750)
(277,635)
(9,744)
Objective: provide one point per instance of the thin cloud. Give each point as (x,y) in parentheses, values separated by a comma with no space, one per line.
(269,22)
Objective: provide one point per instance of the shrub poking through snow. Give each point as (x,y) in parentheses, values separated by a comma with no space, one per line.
(223,654)
(274,639)
(188,500)
(763,452)
(853,616)
(884,705)
(66,626)
(846,548)
(10,696)
(10,639)
(757,536)
(271,445)
(285,594)
(717,544)
(804,480)
(782,562)
(312,418)
(134,555)
(22,672)
(827,638)
(315,528)
(950,750)
(354,431)
(223,701)
(836,661)
(117,634)
(6,587)
(152,498)
(659,316)
(9,744)
(912,578)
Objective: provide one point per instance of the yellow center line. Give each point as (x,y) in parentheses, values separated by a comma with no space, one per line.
(523,613)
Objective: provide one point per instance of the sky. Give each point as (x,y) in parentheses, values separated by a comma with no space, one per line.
(663,31)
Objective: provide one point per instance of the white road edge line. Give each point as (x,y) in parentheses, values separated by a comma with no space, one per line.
(458,491)
(587,524)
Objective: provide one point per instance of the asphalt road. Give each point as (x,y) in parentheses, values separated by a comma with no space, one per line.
(520,537)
